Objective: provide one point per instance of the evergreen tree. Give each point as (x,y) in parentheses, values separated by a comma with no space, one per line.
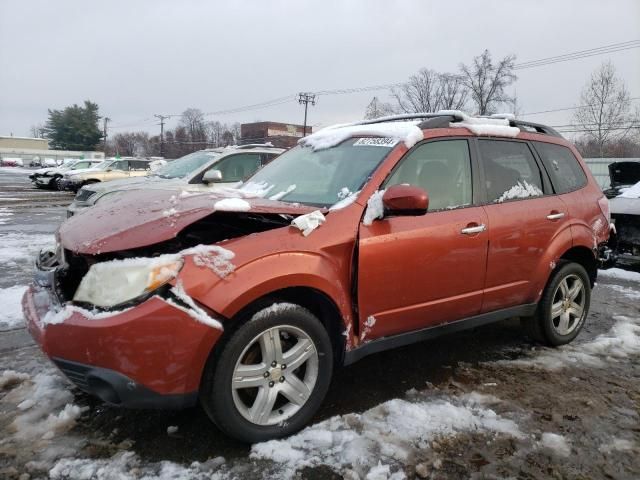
(74,128)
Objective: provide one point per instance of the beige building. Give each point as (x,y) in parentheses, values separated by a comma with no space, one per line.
(36,150)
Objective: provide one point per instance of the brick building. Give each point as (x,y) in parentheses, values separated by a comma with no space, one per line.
(284,135)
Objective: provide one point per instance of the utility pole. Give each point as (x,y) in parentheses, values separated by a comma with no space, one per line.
(162,119)
(306,98)
(104,130)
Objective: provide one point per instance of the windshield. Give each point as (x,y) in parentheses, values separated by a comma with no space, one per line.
(321,177)
(105,164)
(185,165)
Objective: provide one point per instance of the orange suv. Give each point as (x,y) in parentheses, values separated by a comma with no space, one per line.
(363,238)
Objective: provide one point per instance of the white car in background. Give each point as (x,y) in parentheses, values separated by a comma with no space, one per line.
(200,171)
(48,177)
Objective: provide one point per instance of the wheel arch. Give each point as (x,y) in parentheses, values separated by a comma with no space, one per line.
(317,302)
(585,257)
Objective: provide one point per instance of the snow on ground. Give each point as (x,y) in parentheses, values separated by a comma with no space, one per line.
(11,309)
(16,170)
(18,248)
(619,274)
(5,215)
(385,435)
(626,291)
(621,341)
(557,443)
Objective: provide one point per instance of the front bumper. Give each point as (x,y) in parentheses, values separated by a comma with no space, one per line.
(148,356)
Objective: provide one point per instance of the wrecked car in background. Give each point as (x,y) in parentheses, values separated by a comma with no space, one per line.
(624,203)
(49,177)
(112,169)
(198,171)
(363,238)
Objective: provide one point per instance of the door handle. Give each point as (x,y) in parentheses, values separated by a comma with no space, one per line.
(472,230)
(555,216)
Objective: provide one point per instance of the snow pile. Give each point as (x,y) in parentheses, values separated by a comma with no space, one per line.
(632,192)
(309,222)
(11,311)
(283,193)
(625,291)
(128,466)
(232,205)
(520,190)
(557,443)
(619,274)
(617,444)
(498,127)
(389,433)
(215,258)
(375,208)
(407,132)
(9,378)
(248,190)
(622,341)
(46,408)
(345,201)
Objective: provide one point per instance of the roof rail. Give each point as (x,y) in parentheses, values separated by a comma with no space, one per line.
(409,116)
(443,118)
(537,127)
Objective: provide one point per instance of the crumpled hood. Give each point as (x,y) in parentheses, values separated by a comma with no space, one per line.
(140,218)
(624,173)
(624,206)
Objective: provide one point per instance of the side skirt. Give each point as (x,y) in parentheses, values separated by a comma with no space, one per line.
(402,339)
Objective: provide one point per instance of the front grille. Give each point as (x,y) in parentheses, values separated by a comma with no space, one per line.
(75,372)
(83,194)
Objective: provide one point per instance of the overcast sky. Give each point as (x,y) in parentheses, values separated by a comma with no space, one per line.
(144,57)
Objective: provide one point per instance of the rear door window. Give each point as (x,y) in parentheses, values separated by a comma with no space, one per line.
(510,171)
(238,167)
(562,166)
(442,168)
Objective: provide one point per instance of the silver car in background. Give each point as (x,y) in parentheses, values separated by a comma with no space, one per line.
(199,171)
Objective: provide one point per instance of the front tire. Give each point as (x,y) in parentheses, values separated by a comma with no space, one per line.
(563,308)
(271,376)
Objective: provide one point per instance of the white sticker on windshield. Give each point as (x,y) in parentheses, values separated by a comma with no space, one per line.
(376,142)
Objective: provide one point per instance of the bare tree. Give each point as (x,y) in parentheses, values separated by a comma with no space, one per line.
(131,144)
(453,92)
(377,109)
(487,81)
(192,120)
(37,130)
(605,113)
(421,93)
(430,91)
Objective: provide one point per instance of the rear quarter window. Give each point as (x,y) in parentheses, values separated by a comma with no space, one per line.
(562,166)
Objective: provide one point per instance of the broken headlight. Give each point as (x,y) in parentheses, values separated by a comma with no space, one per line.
(112,283)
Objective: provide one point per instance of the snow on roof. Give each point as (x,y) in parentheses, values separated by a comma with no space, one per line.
(497,126)
(407,132)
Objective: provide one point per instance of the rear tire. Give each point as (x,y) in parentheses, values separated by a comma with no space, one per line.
(563,308)
(271,376)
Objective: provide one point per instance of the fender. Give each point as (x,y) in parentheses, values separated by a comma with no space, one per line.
(560,243)
(268,274)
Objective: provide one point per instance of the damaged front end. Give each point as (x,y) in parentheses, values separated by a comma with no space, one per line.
(625,241)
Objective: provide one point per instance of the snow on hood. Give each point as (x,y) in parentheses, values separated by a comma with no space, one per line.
(140,218)
(125,183)
(407,132)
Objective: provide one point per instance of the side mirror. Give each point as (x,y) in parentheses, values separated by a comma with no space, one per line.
(212,176)
(405,200)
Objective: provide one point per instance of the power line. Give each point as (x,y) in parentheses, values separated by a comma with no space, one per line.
(306,98)
(579,54)
(570,108)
